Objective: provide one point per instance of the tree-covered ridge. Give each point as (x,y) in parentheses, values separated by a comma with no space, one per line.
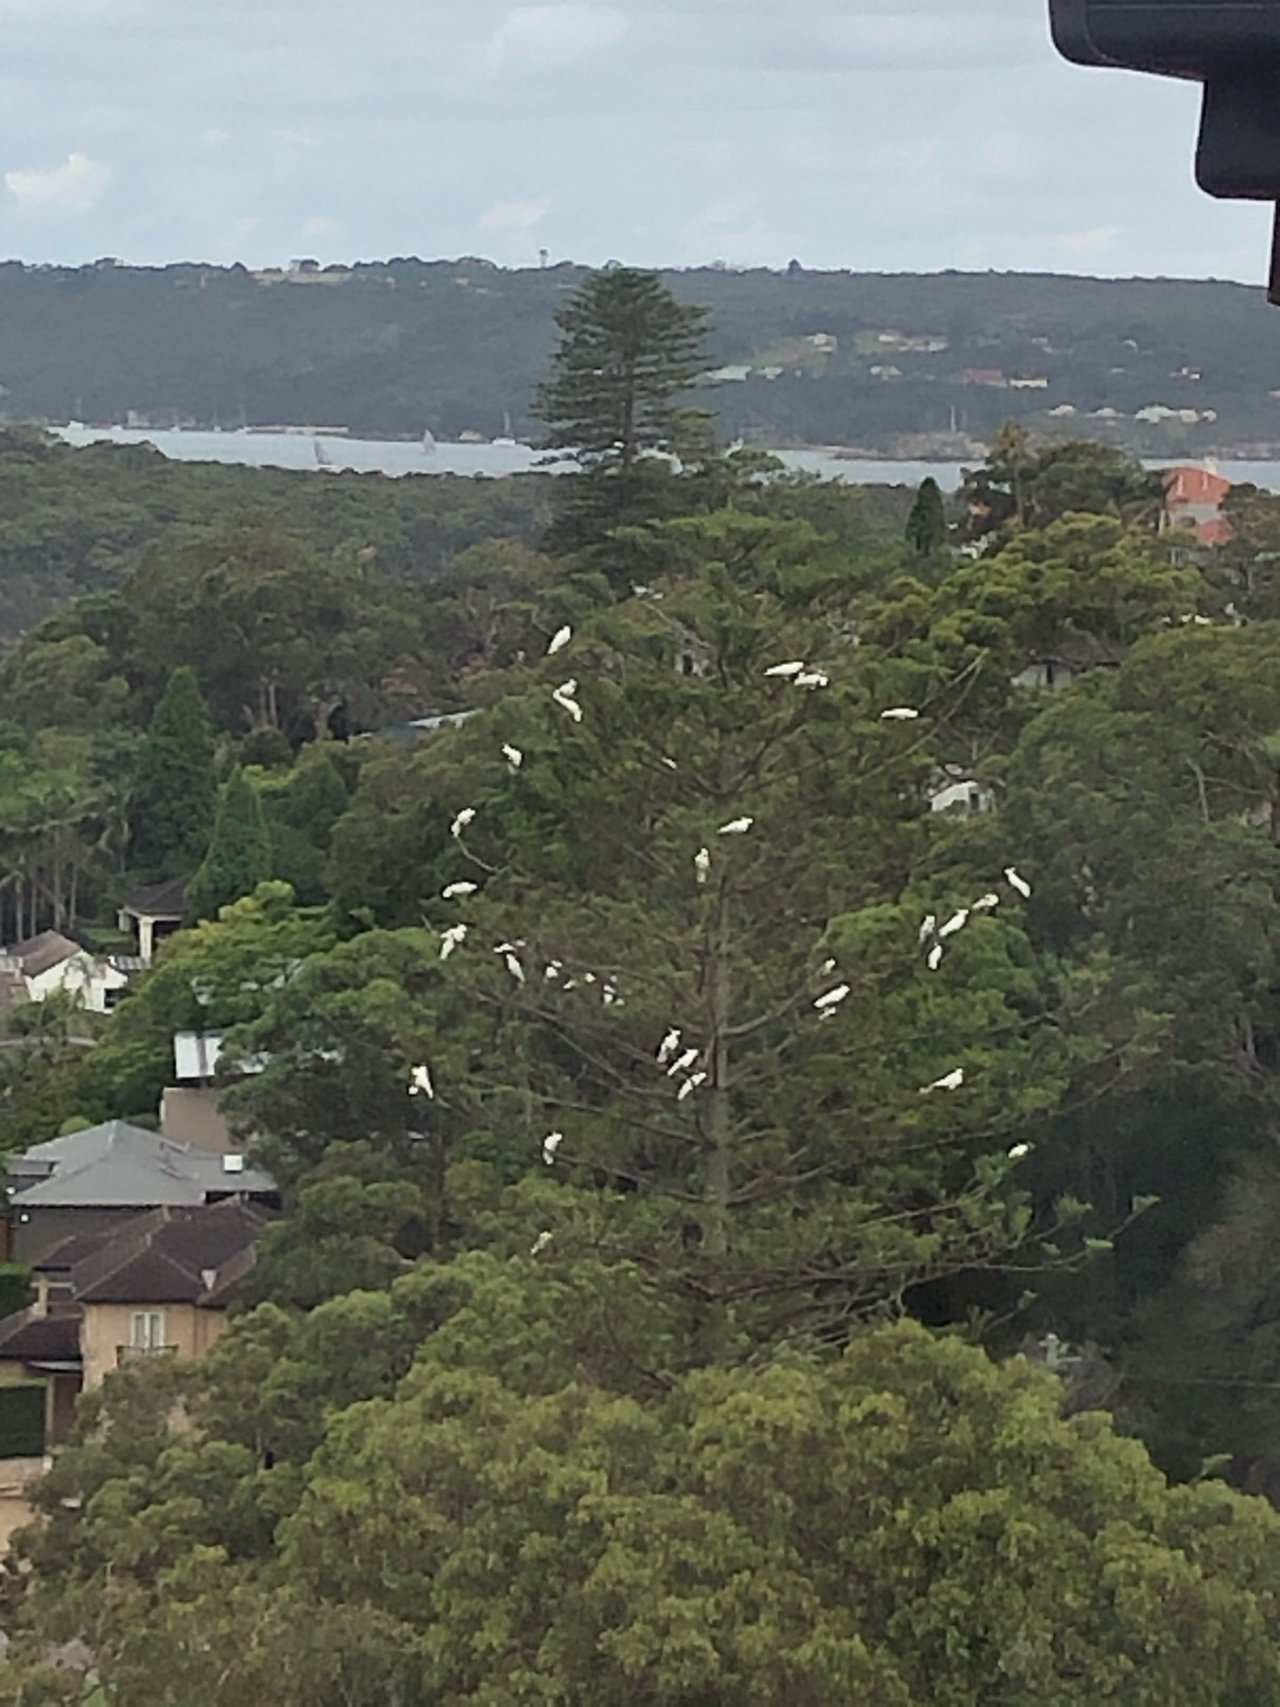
(694,1080)
(82,521)
(391,348)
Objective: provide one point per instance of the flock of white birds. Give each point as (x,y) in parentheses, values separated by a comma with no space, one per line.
(689,1065)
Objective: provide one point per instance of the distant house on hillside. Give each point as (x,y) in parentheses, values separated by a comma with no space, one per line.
(954,789)
(156,1285)
(1056,667)
(408,734)
(1193,498)
(153,913)
(190,1107)
(93,1181)
(51,963)
(988,376)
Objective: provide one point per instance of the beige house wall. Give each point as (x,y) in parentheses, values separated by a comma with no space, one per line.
(191,1115)
(17,1477)
(107,1327)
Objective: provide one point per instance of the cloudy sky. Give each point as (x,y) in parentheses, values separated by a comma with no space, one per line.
(879,134)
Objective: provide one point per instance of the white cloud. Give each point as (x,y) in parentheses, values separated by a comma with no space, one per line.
(74,187)
(514,216)
(86,9)
(534,39)
(319,225)
(949,40)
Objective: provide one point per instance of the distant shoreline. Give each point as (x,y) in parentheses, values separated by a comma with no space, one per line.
(912,452)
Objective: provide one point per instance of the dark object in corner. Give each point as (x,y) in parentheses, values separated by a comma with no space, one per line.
(1232,47)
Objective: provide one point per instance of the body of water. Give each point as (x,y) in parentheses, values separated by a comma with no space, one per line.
(322,453)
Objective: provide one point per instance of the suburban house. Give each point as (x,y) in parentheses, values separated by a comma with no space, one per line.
(51,963)
(94,1181)
(1193,498)
(155,1285)
(1056,667)
(954,789)
(190,1107)
(153,913)
(408,734)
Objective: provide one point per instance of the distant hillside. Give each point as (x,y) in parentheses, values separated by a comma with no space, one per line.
(910,363)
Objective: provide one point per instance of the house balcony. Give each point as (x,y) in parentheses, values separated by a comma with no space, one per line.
(134,1353)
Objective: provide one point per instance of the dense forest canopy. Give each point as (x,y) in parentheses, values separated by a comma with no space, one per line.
(775,1110)
(872,360)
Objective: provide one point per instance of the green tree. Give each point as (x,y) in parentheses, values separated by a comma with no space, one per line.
(210,978)
(239,855)
(927,523)
(906,1524)
(176,791)
(790,1172)
(1025,485)
(614,405)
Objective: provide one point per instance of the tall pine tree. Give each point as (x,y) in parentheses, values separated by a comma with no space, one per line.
(239,856)
(175,793)
(629,354)
(927,523)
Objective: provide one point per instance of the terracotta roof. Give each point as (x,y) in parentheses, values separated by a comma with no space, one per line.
(1191,485)
(158,900)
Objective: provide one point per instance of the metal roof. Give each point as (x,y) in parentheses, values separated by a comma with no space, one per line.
(117,1166)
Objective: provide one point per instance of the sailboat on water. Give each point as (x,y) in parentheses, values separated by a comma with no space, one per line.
(506,437)
(323,459)
(428,442)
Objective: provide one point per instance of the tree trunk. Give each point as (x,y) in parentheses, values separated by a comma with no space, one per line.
(719,1182)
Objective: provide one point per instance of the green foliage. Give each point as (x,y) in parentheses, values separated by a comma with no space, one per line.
(175,797)
(1027,485)
(627,1423)
(909,1523)
(239,856)
(927,523)
(210,978)
(616,402)
(301,806)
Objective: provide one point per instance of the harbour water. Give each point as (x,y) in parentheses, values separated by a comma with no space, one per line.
(321,452)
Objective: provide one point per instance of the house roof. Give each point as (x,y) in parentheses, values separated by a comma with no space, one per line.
(29,1337)
(165,900)
(1083,652)
(40,953)
(174,1256)
(1191,485)
(168,1256)
(117,1166)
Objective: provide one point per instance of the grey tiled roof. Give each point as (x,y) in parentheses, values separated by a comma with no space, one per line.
(158,901)
(173,1256)
(38,953)
(117,1166)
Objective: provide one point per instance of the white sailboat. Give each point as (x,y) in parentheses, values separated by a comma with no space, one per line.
(428,442)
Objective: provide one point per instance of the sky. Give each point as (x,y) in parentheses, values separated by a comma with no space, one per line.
(882,135)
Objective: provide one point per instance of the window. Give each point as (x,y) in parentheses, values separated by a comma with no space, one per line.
(148,1330)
